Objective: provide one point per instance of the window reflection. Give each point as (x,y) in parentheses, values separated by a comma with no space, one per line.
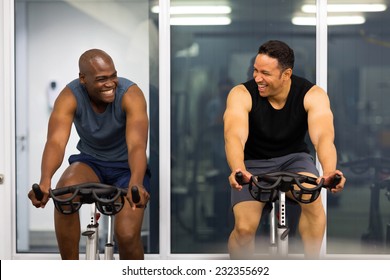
(206,62)
(202,56)
(359,220)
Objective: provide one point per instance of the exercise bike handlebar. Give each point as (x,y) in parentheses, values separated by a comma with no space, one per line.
(285,181)
(109,199)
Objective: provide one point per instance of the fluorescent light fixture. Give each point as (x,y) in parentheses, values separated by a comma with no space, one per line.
(200,21)
(345,8)
(198,10)
(336,20)
(198,15)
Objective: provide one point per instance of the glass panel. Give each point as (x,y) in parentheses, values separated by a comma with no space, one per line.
(50,37)
(359,64)
(206,62)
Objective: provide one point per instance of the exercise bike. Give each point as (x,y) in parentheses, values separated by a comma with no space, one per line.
(104,199)
(272,187)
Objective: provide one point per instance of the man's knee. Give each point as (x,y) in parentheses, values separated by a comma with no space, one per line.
(315,207)
(128,236)
(244,233)
(313,214)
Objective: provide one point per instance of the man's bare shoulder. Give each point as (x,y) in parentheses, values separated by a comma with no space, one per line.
(239,98)
(316,96)
(240,88)
(133,98)
(316,91)
(66,100)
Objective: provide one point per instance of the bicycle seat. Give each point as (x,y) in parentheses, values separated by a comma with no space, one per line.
(109,200)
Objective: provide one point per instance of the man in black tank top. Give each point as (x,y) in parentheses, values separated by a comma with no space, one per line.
(265,124)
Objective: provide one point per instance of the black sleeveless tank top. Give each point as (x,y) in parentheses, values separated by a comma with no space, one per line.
(275,133)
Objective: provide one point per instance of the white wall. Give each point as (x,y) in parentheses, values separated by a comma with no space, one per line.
(6,122)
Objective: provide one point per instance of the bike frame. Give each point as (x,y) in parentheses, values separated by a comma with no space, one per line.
(279,233)
(105,199)
(92,236)
(92,248)
(279,184)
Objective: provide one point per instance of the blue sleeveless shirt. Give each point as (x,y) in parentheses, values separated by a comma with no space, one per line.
(275,133)
(102,135)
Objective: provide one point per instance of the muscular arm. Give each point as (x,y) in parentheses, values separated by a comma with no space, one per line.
(59,128)
(321,132)
(134,105)
(236,129)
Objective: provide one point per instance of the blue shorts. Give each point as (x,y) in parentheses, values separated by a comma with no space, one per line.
(116,173)
(296,162)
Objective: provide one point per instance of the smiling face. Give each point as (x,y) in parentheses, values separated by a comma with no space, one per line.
(270,78)
(99,76)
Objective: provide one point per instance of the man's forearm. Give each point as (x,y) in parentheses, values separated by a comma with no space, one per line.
(234,155)
(327,156)
(138,165)
(51,160)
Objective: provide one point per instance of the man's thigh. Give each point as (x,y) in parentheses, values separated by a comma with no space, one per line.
(77,173)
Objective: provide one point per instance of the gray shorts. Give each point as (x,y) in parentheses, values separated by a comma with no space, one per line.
(296,162)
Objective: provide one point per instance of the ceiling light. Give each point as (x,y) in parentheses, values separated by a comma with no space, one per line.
(201,10)
(336,20)
(342,8)
(200,21)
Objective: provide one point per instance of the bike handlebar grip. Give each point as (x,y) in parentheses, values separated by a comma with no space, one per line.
(135,194)
(239,177)
(336,180)
(37,191)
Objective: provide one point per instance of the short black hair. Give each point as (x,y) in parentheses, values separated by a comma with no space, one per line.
(280,51)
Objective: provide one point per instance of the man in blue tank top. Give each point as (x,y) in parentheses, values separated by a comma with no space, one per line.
(110,117)
(265,123)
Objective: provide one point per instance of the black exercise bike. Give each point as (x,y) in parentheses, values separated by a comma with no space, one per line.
(272,187)
(105,199)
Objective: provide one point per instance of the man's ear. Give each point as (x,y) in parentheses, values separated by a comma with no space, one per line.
(287,73)
(82,78)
